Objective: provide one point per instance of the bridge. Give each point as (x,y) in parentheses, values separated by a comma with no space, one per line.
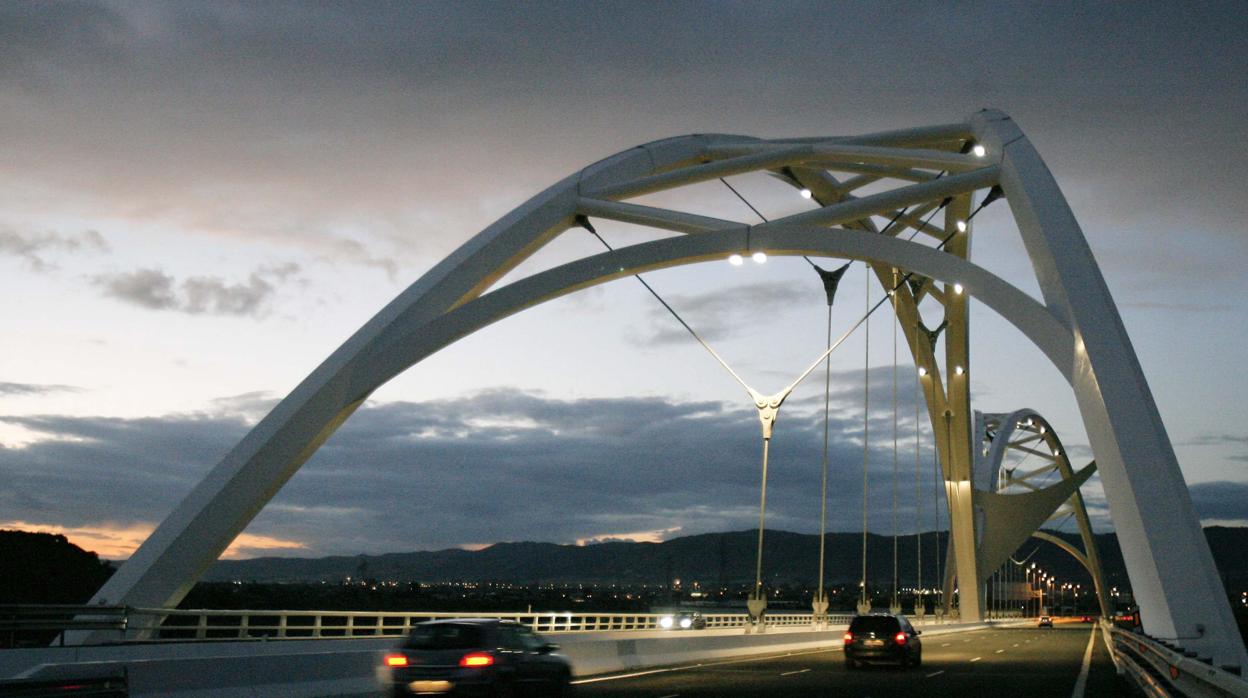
(912,231)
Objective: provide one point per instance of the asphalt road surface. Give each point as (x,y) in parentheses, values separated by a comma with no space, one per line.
(1012,662)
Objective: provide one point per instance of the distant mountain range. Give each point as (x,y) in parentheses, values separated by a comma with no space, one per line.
(711,558)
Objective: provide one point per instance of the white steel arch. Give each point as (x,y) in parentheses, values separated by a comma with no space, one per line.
(1077,328)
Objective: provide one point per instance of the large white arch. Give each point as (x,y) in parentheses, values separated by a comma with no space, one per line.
(1077,328)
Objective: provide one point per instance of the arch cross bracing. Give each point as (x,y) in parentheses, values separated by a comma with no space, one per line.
(1077,327)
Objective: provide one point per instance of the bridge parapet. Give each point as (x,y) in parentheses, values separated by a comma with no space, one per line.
(157,624)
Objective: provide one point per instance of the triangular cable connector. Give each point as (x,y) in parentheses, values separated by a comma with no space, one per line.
(583,221)
(933,335)
(831,279)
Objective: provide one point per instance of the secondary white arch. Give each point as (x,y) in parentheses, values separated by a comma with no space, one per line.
(1078,329)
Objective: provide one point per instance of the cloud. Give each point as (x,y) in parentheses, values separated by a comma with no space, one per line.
(196,295)
(491,466)
(114,541)
(14,389)
(1221,500)
(712,315)
(1179,307)
(34,248)
(495,466)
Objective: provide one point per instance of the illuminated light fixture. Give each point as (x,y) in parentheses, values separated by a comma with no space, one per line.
(735,260)
(957,289)
(922,372)
(961,226)
(1041,428)
(958,370)
(806,193)
(396,660)
(759,257)
(979,150)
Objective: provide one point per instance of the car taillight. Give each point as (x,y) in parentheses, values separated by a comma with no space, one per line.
(900,638)
(476,659)
(849,637)
(396,660)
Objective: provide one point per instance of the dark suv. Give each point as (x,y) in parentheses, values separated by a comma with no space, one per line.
(477,657)
(882,638)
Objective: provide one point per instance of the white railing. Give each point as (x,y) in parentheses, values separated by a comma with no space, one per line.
(173,624)
(1165,671)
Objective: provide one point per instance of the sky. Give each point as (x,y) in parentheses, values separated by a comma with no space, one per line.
(200,201)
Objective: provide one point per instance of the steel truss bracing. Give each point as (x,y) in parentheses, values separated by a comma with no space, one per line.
(1023,480)
(911,172)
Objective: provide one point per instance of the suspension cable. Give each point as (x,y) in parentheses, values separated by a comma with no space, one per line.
(823,492)
(918,496)
(863,604)
(895,451)
(993,194)
(937,479)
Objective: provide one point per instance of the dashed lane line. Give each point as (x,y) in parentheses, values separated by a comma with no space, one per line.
(976,659)
(935,673)
(1000,651)
(799,671)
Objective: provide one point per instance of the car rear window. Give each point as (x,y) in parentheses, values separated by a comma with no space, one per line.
(880,625)
(444,636)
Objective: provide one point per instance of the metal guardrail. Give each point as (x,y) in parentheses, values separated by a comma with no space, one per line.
(1162,671)
(169,624)
(50,620)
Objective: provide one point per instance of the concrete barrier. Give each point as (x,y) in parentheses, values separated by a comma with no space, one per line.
(307,668)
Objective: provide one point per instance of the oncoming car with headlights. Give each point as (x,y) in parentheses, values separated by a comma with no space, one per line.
(682,620)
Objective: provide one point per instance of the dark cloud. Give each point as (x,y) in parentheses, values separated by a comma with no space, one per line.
(35,389)
(197,295)
(499,465)
(1223,501)
(34,248)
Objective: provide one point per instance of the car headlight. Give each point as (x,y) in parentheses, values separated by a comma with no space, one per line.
(666,622)
(686,623)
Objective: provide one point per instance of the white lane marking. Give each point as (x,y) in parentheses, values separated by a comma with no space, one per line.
(976,659)
(1082,682)
(699,665)
(945,645)
(799,671)
(1016,644)
(935,673)
(1000,651)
